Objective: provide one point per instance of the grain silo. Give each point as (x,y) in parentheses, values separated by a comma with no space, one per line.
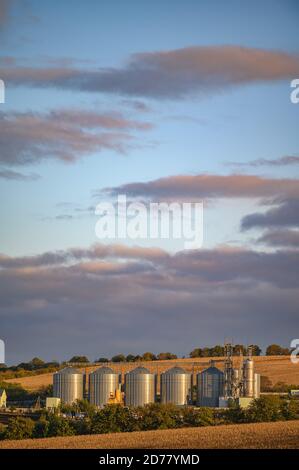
(68,385)
(176,387)
(103,383)
(209,387)
(248,374)
(140,387)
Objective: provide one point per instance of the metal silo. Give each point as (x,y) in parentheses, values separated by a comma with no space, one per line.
(248,372)
(176,386)
(68,385)
(102,384)
(257,385)
(140,387)
(209,387)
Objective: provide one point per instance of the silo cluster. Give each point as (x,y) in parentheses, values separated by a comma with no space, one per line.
(176,387)
(214,387)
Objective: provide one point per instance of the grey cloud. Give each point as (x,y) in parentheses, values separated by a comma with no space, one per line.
(285,238)
(285,215)
(15,175)
(172,74)
(188,187)
(130,299)
(287,160)
(64,135)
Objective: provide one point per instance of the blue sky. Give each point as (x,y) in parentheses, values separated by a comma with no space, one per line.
(242,121)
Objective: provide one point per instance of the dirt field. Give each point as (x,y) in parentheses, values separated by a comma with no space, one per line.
(276,368)
(237,436)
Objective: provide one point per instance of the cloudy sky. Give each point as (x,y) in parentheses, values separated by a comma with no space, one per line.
(161,101)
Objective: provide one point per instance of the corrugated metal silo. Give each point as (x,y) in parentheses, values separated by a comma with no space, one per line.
(140,387)
(209,387)
(102,383)
(68,385)
(176,386)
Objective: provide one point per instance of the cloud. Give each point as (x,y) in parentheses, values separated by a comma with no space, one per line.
(285,215)
(192,187)
(64,135)
(15,175)
(285,238)
(172,74)
(131,299)
(287,160)
(4,10)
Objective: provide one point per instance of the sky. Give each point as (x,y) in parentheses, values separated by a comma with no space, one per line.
(161,101)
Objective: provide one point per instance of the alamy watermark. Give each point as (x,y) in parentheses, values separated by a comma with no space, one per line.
(2,91)
(155,220)
(294,96)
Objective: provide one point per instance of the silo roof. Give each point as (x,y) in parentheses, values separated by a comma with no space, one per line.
(140,370)
(69,370)
(104,370)
(176,370)
(212,370)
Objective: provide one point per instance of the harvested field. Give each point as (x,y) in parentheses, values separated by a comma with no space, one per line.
(276,368)
(237,436)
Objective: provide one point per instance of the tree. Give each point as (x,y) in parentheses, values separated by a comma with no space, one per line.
(158,416)
(217,351)
(37,363)
(264,409)
(276,350)
(59,426)
(113,418)
(166,356)
(118,358)
(103,359)
(148,356)
(41,428)
(130,358)
(19,428)
(197,352)
(256,350)
(239,348)
(79,359)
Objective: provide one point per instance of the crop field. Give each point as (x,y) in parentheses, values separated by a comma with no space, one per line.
(237,436)
(276,368)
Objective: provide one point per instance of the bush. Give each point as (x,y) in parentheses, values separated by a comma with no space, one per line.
(113,418)
(264,409)
(235,414)
(158,416)
(198,417)
(41,428)
(290,409)
(58,426)
(19,428)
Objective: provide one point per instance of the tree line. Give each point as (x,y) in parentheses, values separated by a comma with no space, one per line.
(115,418)
(38,365)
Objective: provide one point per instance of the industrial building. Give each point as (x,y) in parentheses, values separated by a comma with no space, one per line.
(69,385)
(176,387)
(140,387)
(215,388)
(103,386)
(210,384)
